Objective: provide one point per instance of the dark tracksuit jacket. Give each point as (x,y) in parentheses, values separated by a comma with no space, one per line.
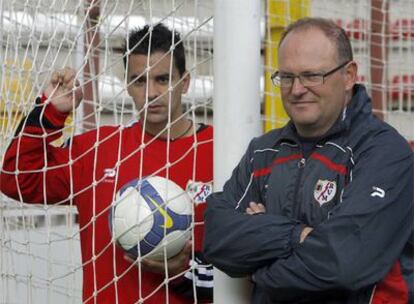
(355,189)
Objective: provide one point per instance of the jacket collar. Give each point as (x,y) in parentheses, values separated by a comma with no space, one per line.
(359,108)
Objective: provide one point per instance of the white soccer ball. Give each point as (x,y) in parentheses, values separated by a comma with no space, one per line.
(151,216)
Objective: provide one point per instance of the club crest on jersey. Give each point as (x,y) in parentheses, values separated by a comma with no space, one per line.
(325,191)
(198,191)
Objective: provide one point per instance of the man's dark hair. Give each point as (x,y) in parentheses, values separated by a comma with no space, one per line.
(159,38)
(331,30)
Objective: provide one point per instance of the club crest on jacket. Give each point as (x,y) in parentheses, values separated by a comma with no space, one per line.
(325,191)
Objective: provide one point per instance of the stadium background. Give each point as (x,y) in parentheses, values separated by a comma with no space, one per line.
(39,36)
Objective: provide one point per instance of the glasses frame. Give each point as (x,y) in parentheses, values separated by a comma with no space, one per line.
(277,81)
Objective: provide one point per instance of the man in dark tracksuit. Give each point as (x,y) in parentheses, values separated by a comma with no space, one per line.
(322,210)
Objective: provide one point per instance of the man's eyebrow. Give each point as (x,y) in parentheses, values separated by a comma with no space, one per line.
(163,75)
(138,76)
(286,73)
(311,72)
(306,72)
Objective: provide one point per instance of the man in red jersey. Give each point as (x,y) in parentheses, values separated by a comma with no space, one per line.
(89,170)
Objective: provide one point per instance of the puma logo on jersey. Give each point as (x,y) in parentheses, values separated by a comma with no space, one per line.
(110,172)
(378,192)
(109,175)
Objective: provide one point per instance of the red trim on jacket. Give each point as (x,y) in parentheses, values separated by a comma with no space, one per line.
(341,169)
(393,289)
(277,161)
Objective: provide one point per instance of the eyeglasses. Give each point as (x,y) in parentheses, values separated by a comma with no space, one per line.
(285,80)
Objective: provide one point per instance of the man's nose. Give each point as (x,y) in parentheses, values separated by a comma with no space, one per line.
(152,90)
(297,87)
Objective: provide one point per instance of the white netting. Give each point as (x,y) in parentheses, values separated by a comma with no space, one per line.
(381,34)
(40,250)
(40,253)
(382,37)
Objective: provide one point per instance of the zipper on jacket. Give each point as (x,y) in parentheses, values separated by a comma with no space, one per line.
(301,166)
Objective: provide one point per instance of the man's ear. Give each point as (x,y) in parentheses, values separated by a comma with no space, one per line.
(186,82)
(351,73)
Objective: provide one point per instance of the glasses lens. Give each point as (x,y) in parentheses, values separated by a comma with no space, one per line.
(311,80)
(286,81)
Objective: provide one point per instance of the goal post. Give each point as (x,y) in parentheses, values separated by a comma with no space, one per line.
(229,64)
(40,252)
(236,65)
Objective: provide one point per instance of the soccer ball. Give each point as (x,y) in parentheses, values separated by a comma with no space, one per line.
(150,217)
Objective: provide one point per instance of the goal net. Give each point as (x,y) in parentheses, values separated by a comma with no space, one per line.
(381,33)
(41,258)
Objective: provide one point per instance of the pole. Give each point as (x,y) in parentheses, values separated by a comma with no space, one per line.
(237,69)
(91,70)
(378,47)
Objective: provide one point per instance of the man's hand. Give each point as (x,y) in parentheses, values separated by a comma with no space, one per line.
(64,91)
(176,264)
(305,231)
(255,208)
(258,208)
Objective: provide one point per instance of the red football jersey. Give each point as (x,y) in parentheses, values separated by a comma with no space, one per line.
(87,172)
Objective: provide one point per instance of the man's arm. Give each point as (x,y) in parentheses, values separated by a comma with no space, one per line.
(30,162)
(364,235)
(239,243)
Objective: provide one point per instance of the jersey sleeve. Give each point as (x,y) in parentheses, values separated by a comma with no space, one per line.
(238,243)
(34,171)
